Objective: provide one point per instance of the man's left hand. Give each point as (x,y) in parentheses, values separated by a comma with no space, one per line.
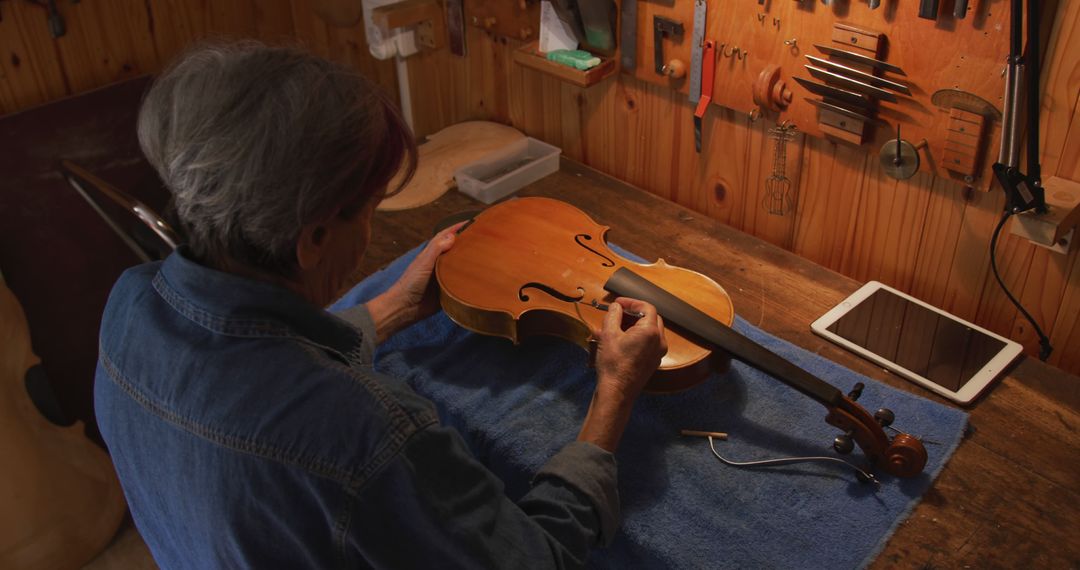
(415,295)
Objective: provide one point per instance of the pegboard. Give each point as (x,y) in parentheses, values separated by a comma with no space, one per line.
(948,53)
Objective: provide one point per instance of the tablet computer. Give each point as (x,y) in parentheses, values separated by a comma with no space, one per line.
(918,341)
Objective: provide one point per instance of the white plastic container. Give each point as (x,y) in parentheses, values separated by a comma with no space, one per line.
(502,173)
(383,43)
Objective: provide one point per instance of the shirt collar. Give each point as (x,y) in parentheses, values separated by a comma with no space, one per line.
(226,302)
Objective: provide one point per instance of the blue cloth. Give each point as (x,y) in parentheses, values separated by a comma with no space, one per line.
(682,508)
(249,430)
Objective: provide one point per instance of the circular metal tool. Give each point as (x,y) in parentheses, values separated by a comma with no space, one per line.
(899,158)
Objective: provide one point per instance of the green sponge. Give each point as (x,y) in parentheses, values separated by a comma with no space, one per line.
(576,58)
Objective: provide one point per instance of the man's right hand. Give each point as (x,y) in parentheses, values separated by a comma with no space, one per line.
(625,361)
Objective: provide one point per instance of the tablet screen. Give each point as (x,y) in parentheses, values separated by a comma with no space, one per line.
(932,345)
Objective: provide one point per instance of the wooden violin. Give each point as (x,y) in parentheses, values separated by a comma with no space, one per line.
(538,266)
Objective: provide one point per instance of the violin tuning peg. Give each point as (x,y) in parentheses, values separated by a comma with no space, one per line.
(856,391)
(843,444)
(884,416)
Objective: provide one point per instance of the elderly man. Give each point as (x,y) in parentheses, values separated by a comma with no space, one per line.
(247,424)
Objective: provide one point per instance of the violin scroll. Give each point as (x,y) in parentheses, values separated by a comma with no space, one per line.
(902,456)
(905,456)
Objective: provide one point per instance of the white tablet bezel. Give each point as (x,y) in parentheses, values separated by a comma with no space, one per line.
(968,391)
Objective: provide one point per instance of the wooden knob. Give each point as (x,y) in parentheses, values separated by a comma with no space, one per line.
(770,90)
(675,69)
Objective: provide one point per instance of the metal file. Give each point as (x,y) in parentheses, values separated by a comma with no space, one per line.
(860,75)
(843,111)
(842,95)
(851,84)
(859,58)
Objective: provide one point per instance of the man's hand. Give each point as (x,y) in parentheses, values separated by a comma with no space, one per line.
(625,361)
(415,294)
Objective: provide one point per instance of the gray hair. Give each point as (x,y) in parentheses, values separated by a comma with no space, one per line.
(255,141)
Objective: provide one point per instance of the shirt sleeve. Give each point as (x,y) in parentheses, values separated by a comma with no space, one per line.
(435,505)
(360,318)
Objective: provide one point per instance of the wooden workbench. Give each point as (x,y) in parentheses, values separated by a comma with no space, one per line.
(1007,498)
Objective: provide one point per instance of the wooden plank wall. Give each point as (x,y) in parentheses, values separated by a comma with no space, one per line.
(926,235)
(111,40)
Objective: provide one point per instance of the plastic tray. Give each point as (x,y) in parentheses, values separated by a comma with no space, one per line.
(502,173)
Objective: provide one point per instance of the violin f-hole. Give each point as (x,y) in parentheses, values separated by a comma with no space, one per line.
(608,262)
(550,291)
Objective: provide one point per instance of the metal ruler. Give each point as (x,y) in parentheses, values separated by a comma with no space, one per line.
(628,45)
(696,44)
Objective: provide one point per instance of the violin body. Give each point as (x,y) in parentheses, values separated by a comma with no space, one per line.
(535,266)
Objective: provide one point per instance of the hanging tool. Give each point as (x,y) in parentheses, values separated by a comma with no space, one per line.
(841,95)
(859,58)
(960,9)
(628,45)
(455,25)
(928,9)
(899,158)
(957,99)
(852,84)
(860,75)
(777,199)
(966,130)
(862,116)
(697,44)
(708,56)
(665,28)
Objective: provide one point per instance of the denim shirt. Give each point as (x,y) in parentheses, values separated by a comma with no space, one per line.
(249,429)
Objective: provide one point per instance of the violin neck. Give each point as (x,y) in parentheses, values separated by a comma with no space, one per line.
(626,283)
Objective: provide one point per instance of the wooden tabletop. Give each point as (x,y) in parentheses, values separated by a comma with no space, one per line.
(1007,498)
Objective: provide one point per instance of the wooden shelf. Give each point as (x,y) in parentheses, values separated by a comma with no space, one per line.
(529,56)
